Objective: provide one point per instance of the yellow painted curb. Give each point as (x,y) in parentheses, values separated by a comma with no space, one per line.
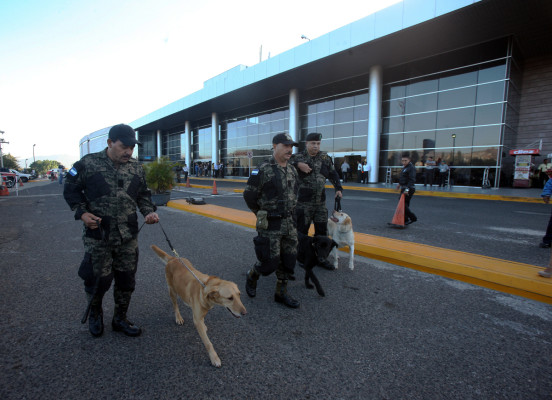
(501,275)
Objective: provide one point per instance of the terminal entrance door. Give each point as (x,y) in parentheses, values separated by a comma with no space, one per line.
(353,162)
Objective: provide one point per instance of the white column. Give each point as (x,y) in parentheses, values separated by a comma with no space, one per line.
(374,122)
(214,137)
(294,129)
(158,143)
(187,144)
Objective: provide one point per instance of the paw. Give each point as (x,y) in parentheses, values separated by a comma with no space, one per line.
(321,293)
(215,361)
(351,267)
(309,286)
(179,320)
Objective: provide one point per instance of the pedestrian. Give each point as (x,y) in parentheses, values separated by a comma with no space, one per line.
(359,172)
(216,167)
(104,189)
(541,169)
(407,180)
(178,172)
(345,170)
(365,171)
(185,170)
(60,174)
(546,193)
(443,173)
(314,167)
(271,193)
(196,168)
(429,173)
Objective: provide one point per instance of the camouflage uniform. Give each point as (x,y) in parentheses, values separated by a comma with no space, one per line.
(97,186)
(276,243)
(311,200)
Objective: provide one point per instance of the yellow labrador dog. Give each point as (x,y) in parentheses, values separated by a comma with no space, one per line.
(340,228)
(216,291)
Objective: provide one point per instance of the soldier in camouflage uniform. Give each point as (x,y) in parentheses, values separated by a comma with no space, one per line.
(271,193)
(104,190)
(314,167)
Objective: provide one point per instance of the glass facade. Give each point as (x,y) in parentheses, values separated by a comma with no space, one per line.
(250,135)
(457,115)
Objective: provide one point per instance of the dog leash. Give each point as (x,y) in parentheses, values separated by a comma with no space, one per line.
(177,256)
(337,205)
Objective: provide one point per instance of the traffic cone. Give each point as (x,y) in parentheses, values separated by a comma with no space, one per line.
(188,182)
(4,191)
(398,218)
(215,187)
(20,182)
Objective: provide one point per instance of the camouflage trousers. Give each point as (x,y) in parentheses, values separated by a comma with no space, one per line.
(104,263)
(312,212)
(276,251)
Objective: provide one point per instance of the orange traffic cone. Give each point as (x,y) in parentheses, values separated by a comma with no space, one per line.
(398,218)
(188,182)
(4,191)
(215,187)
(20,182)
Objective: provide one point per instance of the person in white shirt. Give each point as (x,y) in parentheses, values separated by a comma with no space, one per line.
(443,172)
(365,171)
(345,170)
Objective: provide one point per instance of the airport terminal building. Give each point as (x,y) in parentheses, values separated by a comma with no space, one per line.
(462,80)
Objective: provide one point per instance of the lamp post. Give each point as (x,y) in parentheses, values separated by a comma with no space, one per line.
(26,163)
(33,154)
(453,145)
(1,155)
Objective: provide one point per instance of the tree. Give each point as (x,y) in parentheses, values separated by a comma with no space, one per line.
(43,166)
(10,162)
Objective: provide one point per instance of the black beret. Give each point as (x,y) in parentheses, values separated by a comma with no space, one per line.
(314,136)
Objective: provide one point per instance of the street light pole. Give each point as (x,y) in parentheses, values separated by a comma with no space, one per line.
(453,145)
(1,155)
(34,160)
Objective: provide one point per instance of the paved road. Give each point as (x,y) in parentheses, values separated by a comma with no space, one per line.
(382,331)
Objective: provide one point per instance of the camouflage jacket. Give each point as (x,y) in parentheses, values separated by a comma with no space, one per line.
(95,185)
(261,192)
(312,186)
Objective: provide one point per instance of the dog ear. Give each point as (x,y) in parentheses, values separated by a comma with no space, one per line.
(335,244)
(346,225)
(213,294)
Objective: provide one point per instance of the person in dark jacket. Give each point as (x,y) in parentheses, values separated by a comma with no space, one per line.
(407,180)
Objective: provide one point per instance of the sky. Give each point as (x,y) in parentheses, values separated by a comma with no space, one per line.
(71,67)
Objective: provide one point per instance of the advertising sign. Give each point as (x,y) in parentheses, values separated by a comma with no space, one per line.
(522,171)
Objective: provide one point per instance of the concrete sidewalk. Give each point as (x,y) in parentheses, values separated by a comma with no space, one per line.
(502,275)
(527,195)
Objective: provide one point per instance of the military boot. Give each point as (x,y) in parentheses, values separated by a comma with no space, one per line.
(251,282)
(95,320)
(282,296)
(120,323)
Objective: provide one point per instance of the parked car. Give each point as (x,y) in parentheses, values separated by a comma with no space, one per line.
(24,177)
(8,177)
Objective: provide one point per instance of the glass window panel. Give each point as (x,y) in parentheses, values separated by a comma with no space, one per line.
(395,141)
(492,73)
(421,103)
(359,143)
(360,128)
(487,135)
(463,138)
(341,145)
(264,128)
(459,80)
(265,140)
(360,113)
(393,92)
(344,102)
(416,140)
(420,87)
(455,118)
(326,106)
(325,118)
(361,99)
(490,93)
(491,114)
(342,130)
(277,126)
(457,98)
(485,156)
(393,107)
(344,115)
(312,108)
(418,122)
(277,115)
(327,146)
(326,131)
(429,142)
(252,130)
(252,140)
(393,124)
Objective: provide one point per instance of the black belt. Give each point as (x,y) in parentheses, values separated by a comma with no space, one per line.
(286,214)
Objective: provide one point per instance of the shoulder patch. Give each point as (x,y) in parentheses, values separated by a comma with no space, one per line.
(255,172)
(73,172)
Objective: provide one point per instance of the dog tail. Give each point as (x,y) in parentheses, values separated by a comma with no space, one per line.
(161,254)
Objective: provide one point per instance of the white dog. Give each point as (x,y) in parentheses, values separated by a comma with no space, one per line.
(340,228)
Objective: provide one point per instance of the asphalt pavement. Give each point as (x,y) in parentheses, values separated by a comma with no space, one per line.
(381,332)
